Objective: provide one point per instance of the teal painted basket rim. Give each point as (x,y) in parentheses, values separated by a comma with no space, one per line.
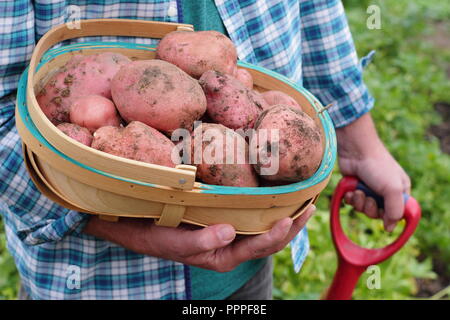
(321,174)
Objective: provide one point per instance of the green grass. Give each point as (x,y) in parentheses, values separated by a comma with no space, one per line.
(9,279)
(406,77)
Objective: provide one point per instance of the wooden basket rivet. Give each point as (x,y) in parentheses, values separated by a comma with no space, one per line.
(185,167)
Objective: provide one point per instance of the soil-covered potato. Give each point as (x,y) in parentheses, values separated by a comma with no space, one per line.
(299,149)
(136,141)
(76,132)
(221,157)
(229,102)
(198,52)
(245,77)
(274,97)
(80,76)
(158,94)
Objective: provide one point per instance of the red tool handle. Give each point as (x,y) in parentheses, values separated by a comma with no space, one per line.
(353,260)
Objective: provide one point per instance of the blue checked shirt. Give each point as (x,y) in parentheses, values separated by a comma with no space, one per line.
(306,40)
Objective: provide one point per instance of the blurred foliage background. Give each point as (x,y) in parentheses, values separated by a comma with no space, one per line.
(409,74)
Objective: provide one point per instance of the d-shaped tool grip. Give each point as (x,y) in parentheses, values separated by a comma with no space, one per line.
(353,259)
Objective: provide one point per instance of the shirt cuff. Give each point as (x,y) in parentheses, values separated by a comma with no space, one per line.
(55,230)
(351,98)
(350,107)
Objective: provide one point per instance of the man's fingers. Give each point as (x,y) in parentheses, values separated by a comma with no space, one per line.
(393,208)
(264,244)
(224,256)
(348,198)
(253,247)
(358,200)
(406,181)
(362,203)
(371,208)
(185,243)
(300,223)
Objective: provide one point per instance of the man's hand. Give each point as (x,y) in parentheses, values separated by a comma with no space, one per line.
(362,154)
(209,248)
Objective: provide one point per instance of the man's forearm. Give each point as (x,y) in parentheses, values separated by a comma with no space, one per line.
(358,139)
(128,233)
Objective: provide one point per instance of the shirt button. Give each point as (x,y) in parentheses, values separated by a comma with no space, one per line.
(172,12)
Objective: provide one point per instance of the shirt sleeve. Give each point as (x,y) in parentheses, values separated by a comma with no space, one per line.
(330,66)
(33,217)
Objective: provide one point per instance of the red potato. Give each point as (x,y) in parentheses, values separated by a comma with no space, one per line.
(211,145)
(158,94)
(299,148)
(198,52)
(245,77)
(273,97)
(93,112)
(136,141)
(229,102)
(80,76)
(76,132)
(259,100)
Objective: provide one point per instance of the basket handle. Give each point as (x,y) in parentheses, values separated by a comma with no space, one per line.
(179,178)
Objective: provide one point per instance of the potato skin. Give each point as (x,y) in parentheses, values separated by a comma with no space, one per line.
(158,94)
(76,132)
(273,97)
(229,102)
(300,143)
(81,76)
(245,77)
(259,100)
(219,172)
(198,52)
(136,141)
(93,112)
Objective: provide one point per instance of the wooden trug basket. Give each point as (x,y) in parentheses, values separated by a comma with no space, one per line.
(87,180)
